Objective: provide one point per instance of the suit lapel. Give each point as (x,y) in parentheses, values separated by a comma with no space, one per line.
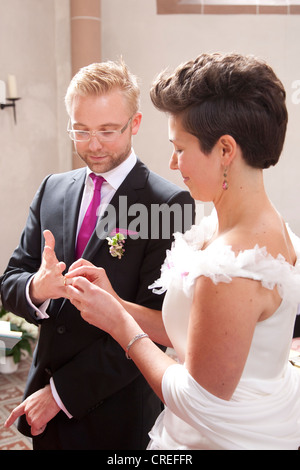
(72,203)
(135,180)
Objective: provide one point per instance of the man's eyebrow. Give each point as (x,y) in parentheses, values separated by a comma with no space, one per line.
(106,124)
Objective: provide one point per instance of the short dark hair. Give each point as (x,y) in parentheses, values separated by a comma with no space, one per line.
(228,94)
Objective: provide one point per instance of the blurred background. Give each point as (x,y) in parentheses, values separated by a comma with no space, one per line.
(44,42)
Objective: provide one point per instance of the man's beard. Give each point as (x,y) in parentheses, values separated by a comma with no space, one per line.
(108,162)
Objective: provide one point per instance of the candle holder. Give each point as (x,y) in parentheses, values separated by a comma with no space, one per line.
(9,105)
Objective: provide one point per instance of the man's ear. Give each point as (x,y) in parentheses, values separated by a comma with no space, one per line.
(136,122)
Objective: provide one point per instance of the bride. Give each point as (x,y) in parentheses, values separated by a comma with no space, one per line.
(233,282)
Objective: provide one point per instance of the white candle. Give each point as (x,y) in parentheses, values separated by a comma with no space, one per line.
(2,92)
(12,87)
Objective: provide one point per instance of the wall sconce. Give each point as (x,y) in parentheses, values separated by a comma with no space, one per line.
(12,92)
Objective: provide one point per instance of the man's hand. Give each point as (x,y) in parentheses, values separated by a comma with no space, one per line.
(39,408)
(48,282)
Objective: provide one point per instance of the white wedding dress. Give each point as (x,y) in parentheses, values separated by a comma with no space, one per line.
(264,412)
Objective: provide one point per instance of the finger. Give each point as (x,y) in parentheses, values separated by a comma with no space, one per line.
(81,283)
(49,255)
(74,290)
(75,272)
(90,272)
(15,414)
(78,291)
(74,296)
(67,282)
(51,261)
(62,266)
(49,239)
(78,263)
(37,431)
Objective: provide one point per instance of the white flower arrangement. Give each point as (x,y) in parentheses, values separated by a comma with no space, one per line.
(116,244)
(29,333)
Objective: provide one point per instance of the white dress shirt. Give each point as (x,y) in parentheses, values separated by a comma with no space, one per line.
(113,180)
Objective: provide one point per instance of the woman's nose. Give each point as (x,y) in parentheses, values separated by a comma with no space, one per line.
(173,164)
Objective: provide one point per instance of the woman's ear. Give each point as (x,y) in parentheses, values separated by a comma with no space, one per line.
(228,147)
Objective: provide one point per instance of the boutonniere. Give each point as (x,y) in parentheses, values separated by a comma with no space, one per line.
(116,244)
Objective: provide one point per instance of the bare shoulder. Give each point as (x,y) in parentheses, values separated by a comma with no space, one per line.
(268,232)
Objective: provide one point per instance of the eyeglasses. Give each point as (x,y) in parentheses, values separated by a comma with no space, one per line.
(103,136)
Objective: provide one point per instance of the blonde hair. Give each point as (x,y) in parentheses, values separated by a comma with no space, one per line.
(101,78)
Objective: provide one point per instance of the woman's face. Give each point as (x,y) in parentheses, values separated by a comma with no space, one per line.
(202,173)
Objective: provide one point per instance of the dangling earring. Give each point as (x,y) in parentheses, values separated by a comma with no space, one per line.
(225,182)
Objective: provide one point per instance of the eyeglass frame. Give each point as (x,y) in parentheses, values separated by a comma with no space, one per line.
(96,133)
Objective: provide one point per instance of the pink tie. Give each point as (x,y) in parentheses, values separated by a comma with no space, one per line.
(90,218)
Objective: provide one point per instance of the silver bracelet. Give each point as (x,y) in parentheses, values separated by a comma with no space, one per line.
(139,336)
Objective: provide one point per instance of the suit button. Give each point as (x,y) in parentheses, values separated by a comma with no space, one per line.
(61,329)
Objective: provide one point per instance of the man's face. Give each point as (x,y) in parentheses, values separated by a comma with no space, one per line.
(104,113)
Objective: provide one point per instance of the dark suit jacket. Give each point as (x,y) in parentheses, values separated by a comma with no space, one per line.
(297,327)
(112,405)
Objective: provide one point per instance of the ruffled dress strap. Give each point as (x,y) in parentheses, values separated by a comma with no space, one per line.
(187,261)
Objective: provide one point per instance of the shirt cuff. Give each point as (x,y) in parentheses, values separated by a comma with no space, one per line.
(41,310)
(57,398)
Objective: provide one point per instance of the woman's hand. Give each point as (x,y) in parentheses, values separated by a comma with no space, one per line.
(149,320)
(96,306)
(97,276)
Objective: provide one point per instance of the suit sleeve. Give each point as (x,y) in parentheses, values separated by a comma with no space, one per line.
(93,376)
(24,262)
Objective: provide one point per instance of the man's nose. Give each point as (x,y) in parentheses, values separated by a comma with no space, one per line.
(94,143)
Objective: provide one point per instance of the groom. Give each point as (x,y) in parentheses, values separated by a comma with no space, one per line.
(82,393)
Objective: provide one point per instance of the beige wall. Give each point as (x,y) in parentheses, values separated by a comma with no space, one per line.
(38,51)
(35,47)
(150,43)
